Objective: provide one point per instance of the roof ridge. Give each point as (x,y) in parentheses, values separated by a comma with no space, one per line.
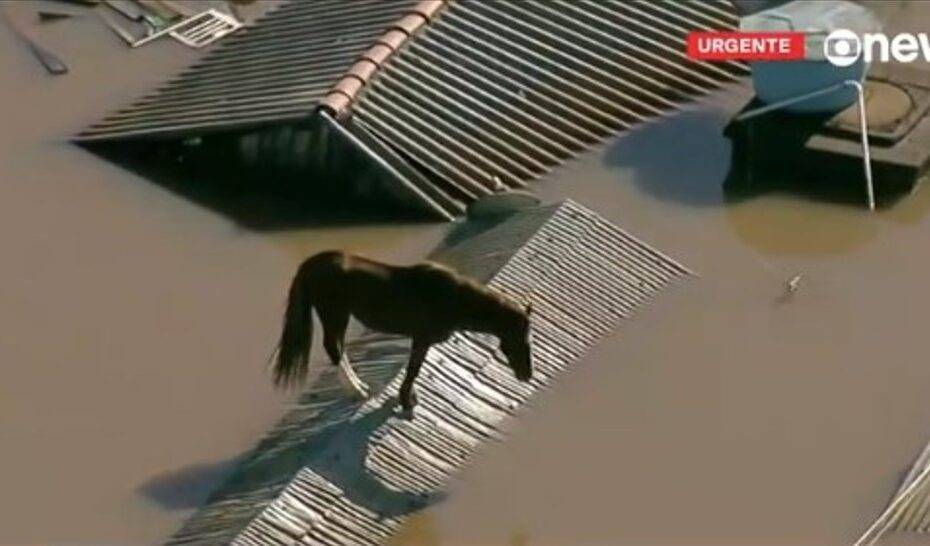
(343,93)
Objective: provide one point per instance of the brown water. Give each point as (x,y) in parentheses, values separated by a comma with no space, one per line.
(134,325)
(726,413)
(134,328)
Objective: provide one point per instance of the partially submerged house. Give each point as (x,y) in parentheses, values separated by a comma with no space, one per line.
(435,103)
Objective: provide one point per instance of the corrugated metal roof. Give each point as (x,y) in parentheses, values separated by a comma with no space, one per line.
(493,94)
(276,70)
(472,96)
(336,473)
(909,509)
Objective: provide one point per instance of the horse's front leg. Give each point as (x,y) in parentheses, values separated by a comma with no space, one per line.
(334,331)
(408,398)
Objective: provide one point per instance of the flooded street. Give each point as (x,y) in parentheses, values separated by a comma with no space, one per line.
(135,327)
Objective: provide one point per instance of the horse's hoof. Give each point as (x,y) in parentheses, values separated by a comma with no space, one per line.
(407,414)
(408,402)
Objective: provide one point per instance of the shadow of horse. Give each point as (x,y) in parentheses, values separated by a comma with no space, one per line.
(326,433)
(187,487)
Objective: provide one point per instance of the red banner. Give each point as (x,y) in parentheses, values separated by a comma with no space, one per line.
(746,46)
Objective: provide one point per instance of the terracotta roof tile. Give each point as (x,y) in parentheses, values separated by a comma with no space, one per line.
(386,45)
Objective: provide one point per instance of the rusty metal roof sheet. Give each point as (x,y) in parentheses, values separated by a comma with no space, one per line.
(334,472)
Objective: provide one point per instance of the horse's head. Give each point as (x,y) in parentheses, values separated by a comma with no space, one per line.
(515,343)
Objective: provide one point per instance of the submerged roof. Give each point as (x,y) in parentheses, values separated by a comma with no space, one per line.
(492,95)
(465,97)
(336,472)
(612,63)
(277,69)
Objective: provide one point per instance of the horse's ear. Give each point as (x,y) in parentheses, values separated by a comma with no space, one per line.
(529,309)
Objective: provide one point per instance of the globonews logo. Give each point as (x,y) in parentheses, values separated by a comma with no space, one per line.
(844,47)
(841,47)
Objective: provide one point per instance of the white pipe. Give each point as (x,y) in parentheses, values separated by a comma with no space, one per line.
(863,123)
(864,130)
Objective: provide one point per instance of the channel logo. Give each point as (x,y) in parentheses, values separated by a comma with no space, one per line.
(842,47)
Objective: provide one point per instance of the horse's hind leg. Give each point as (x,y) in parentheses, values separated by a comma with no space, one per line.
(334,332)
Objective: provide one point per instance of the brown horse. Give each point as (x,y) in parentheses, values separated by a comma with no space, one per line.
(427,302)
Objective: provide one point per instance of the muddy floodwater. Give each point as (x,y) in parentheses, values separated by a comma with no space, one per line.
(725,413)
(135,327)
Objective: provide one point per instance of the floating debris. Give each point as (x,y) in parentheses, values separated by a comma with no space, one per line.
(196,31)
(205,28)
(193,29)
(120,31)
(49,60)
(793,284)
(49,16)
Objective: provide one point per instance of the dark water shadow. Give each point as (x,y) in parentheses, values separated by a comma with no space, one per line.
(768,156)
(262,195)
(699,158)
(189,486)
(684,158)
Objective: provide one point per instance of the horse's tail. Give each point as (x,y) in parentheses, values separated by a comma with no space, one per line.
(290,368)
